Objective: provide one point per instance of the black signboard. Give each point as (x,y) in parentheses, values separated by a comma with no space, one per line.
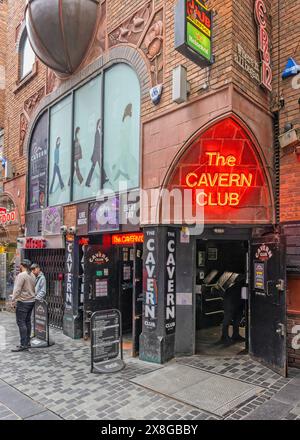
(41,325)
(170,288)
(150,280)
(82,219)
(106,342)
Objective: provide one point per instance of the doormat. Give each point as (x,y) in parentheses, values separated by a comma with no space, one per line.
(203,390)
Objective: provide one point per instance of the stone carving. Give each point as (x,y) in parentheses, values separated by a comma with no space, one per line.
(153,48)
(52,81)
(23,131)
(145,30)
(31,103)
(130,31)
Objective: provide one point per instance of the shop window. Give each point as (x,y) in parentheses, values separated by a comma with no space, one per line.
(121,127)
(27,57)
(38,162)
(87,140)
(59,184)
(94,141)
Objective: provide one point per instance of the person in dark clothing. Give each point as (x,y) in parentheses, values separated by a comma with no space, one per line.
(56,169)
(96,157)
(77,156)
(233,312)
(24,298)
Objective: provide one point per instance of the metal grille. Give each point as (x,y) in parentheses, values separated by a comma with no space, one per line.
(52,263)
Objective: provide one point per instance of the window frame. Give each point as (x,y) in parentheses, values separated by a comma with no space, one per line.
(23,40)
(48,108)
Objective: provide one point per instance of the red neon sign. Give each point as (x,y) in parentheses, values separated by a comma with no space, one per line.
(223,170)
(35,243)
(123,239)
(263,44)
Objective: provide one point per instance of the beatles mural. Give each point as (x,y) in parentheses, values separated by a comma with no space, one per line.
(95,148)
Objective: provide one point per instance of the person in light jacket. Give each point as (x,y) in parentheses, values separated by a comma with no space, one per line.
(24,298)
(40,284)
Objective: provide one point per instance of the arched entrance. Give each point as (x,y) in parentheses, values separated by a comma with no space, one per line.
(228,268)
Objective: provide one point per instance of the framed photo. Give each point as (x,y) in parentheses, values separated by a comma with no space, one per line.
(212,254)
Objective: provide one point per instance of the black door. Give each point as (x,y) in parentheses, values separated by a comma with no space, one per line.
(268,303)
(137,298)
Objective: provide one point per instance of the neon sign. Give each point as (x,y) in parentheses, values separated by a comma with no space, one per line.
(35,243)
(221,173)
(220,180)
(119,239)
(260,12)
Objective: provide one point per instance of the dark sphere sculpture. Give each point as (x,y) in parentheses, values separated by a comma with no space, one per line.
(61,31)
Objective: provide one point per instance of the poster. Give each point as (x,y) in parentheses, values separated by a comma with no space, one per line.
(38,163)
(87,140)
(104,215)
(59,182)
(121,127)
(52,221)
(259,276)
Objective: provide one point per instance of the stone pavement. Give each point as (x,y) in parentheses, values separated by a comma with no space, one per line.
(56,383)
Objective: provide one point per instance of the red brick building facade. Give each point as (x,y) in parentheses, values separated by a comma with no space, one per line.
(229,92)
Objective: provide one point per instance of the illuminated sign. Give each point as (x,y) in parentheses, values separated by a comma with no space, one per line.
(261,15)
(134,238)
(209,180)
(193,31)
(7,217)
(222,179)
(35,243)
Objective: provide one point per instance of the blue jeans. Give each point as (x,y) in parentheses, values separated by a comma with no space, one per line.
(23,317)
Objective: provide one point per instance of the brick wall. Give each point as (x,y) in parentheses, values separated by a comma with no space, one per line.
(286,37)
(15,97)
(293,353)
(3,26)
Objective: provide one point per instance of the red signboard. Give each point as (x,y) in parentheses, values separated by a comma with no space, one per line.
(261,17)
(127,239)
(7,217)
(35,243)
(228,182)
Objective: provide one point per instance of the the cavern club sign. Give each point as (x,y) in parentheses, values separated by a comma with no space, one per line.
(7,217)
(220,175)
(261,18)
(264,253)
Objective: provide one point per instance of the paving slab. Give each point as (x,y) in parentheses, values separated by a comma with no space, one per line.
(271,410)
(290,394)
(46,415)
(18,403)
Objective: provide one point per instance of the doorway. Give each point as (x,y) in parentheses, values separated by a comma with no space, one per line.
(131,295)
(221,297)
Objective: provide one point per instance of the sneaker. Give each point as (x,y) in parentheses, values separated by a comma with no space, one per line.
(20,348)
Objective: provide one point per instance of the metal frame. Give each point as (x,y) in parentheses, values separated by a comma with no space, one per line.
(120,337)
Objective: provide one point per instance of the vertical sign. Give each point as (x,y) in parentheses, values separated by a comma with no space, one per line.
(150,279)
(69,274)
(170,288)
(261,14)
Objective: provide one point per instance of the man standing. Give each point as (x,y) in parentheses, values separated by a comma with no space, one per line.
(24,298)
(40,285)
